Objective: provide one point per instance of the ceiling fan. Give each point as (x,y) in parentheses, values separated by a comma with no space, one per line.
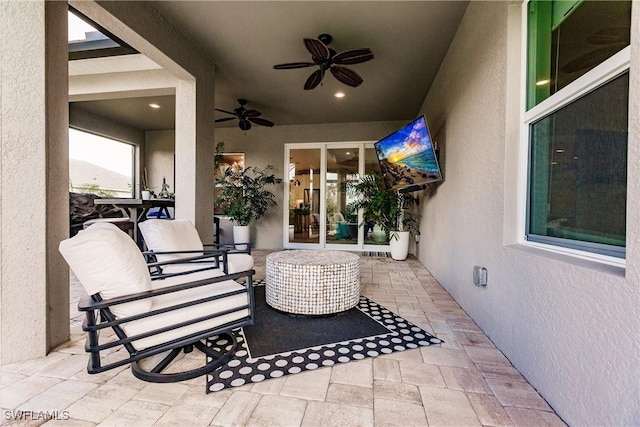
(245,116)
(327,59)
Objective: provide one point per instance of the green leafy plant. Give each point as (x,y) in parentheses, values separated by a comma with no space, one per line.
(242,194)
(391,211)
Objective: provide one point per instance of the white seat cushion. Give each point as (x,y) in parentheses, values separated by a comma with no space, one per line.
(108,262)
(239,262)
(161,235)
(183,314)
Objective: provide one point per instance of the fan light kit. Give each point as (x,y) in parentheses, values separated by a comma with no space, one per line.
(245,116)
(327,59)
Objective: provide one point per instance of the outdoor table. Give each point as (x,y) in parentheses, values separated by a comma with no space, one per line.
(138,209)
(312,282)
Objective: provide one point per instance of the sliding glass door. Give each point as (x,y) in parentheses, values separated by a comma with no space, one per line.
(303,207)
(317,213)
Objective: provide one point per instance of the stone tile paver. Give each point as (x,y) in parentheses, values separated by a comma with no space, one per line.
(351,395)
(101,402)
(290,412)
(358,373)
(398,413)
(396,391)
(534,418)
(135,413)
(237,410)
(334,414)
(446,407)
(187,414)
(310,385)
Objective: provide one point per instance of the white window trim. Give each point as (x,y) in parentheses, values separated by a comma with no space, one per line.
(604,72)
(596,77)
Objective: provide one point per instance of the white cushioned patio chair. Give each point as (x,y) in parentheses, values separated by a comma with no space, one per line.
(155,313)
(169,240)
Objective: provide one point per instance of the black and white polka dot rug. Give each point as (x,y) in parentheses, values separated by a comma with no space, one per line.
(244,369)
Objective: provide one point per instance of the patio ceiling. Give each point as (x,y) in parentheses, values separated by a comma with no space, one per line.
(246,39)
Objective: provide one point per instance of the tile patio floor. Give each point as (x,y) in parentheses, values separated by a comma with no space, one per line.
(464,382)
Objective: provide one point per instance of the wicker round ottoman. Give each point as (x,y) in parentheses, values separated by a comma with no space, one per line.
(312,282)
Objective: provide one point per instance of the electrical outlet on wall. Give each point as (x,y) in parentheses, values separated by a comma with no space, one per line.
(479,276)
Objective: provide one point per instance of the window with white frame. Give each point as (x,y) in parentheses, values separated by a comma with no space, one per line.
(577,99)
(100,165)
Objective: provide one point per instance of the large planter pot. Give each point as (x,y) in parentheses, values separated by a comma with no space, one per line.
(399,243)
(241,234)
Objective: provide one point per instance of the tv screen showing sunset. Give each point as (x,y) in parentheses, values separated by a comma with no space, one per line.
(407,156)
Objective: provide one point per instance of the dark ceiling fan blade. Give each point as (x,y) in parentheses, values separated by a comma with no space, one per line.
(226,119)
(251,113)
(293,65)
(314,79)
(354,56)
(244,124)
(261,122)
(225,111)
(317,48)
(346,76)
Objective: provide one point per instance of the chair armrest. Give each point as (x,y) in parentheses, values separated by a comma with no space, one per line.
(230,248)
(207,256)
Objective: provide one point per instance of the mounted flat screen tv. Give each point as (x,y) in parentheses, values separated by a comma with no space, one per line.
(407,158)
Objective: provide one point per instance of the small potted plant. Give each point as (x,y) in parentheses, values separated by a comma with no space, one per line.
(244,198)
(147,193)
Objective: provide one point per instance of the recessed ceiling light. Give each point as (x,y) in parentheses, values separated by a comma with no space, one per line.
(154,106)
(348,153)
(543,82)
(339,94)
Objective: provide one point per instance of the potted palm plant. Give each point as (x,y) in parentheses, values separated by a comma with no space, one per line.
(393,212)
(243,197)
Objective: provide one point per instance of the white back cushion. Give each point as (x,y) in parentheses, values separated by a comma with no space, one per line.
(171,235)
(107,261)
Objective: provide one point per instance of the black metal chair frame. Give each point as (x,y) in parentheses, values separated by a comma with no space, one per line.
(219,251)
(99,317)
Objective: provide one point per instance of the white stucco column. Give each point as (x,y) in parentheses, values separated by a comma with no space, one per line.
(194,154)
(31,205)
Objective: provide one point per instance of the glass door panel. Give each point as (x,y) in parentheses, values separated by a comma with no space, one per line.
(342,224)
(304,196)
(373,234)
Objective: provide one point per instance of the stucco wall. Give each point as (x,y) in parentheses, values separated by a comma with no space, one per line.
(33,196)
(570,327)
(159,158)
(265,146)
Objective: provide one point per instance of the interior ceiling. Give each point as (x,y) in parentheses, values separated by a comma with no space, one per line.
(246,39)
